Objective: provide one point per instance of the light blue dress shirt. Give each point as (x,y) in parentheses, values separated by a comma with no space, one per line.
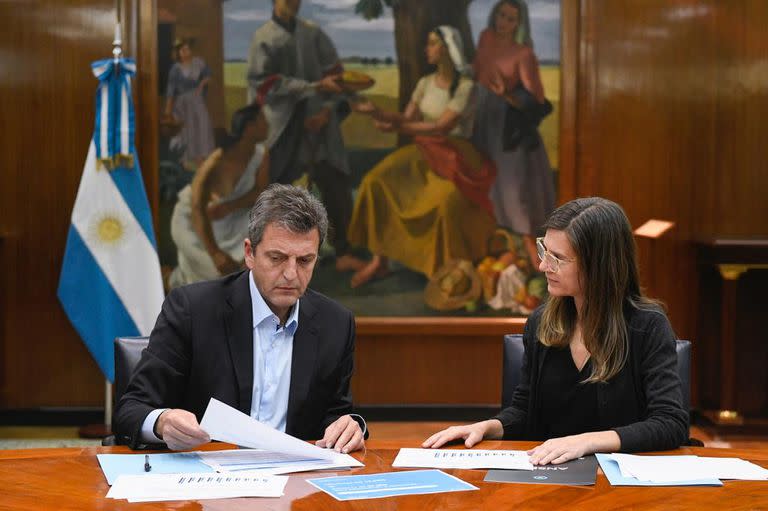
(272,354)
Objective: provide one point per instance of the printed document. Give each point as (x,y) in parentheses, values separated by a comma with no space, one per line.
(162,487)
(462,458)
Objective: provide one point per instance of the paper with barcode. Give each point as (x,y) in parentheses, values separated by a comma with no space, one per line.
(164,487)
(462,458)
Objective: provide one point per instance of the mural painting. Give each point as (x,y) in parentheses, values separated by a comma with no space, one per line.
(427,128)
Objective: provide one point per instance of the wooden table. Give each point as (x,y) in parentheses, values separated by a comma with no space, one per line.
(71,479)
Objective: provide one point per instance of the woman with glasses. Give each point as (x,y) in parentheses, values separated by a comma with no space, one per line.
(600,366)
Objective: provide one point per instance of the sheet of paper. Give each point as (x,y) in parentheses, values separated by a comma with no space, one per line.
(578,472)
(266,462)
(613,473)
(462,458)
(735,468)
(224,423)
(163,487)
(390,484)
(115,465)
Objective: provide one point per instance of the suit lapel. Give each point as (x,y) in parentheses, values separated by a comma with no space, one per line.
(238,321)
(302,361)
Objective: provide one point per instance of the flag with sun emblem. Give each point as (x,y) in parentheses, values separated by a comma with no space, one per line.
(110,283)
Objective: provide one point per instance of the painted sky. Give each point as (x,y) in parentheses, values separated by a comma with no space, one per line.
(353,35)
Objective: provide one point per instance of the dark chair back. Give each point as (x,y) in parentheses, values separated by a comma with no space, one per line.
(127,354)
(684,370)
(514,351)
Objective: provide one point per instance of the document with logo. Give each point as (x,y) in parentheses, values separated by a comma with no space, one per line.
(390,484)
(578,472)
(462,458)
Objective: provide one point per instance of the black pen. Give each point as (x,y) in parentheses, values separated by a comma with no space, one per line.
(147,466)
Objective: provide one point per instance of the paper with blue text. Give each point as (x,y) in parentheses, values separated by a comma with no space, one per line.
(462,458)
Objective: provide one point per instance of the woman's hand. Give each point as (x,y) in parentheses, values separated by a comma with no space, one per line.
(471,434)
(560,450)
(224,263)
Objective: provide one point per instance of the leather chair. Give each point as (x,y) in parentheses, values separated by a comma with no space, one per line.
(128,351)
(514,351)
(127,354)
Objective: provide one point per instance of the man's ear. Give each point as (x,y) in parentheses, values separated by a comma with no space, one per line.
(249,252)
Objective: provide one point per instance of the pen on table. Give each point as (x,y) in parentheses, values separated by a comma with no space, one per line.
(147,466)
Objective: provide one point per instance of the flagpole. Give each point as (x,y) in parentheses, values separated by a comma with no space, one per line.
(102,430)
(108,405)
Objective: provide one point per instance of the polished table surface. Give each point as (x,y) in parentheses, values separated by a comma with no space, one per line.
(70,478)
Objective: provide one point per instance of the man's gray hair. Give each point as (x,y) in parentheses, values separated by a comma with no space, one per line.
(289,207)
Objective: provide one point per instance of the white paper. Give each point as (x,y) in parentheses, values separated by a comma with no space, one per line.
(226,424)
(462,458)
(263,462)
(195,486)
(682,468)
(735,468)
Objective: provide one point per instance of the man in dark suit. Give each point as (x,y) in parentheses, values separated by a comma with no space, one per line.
(258,340)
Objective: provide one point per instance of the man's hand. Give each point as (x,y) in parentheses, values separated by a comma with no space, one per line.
(344,435)
(180,430)
(318,121)
(330,83)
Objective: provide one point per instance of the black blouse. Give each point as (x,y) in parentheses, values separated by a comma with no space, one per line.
(568,406)
(642,403)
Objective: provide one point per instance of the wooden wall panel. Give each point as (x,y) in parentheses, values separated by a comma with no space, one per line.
(430,361)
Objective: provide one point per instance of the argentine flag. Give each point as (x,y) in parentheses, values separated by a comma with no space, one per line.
(110,283)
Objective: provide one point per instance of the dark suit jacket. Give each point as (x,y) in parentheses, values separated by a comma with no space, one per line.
(642,403)
(202,347)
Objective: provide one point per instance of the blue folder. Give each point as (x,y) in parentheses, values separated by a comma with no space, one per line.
(115,465)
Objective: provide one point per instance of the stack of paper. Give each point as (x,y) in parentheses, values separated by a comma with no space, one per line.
(462,458)
(677,470)
(265,462)
(244,472)
(162,487)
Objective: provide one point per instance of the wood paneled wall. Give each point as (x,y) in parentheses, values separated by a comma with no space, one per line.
(671,109)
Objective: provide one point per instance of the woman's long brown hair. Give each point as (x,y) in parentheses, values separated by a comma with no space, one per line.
(601,237)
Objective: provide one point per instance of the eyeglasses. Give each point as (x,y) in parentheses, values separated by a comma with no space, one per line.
(552,262)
